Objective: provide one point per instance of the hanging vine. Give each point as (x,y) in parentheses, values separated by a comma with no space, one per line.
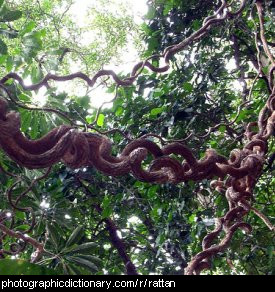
(234,177)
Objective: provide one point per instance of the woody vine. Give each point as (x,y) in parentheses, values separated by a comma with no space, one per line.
(235,177)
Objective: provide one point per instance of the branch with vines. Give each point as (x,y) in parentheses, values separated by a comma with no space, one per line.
(234,177)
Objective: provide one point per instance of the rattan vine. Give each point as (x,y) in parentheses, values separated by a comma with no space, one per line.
(235,176)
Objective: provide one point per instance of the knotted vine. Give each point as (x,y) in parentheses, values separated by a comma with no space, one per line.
(235,176)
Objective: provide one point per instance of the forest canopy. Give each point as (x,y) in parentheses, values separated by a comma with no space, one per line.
(137,140)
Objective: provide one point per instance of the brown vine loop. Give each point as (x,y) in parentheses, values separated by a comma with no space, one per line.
(235,177)
(238,193)
(78,149)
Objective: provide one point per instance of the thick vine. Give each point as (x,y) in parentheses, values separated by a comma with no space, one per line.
(235,177)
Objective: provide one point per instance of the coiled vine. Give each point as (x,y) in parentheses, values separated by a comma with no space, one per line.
(235,176)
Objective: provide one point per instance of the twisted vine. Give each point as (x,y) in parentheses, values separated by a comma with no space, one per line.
(235,177)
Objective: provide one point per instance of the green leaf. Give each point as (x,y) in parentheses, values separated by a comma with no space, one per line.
(24,97)
(84,263)
(53,233)
(26,117)
(243,114)
(28,28)
(196,24)
(156,111)
(43,125)
(214,144)
(107,208)
(34,126)
(73,270)
(167,9)
(2,59)
(1,2)
(188,87)
(3,48)
(191,219)
(107,212)
(20,215)
(170,216)
(36,74)
(90,119)
(160,239)
(40,228)
(222,129)
(32,41)
(156,212)
(22,227)
(75,236)
(119,111)
(9,64)
(106,201)
(97,261)
(152,191)
(83,248)
(100,120)
(158,92)
(84,101)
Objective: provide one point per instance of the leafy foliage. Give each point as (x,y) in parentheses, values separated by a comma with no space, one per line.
(77,212)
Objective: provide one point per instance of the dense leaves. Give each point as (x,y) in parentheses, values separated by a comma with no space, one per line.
(91,223)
